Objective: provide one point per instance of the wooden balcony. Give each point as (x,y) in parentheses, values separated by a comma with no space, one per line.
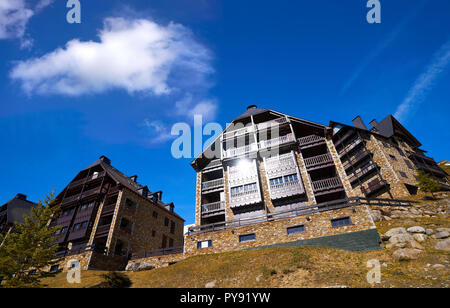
(214,208)
(86,179)
(211,185)
(91,192)
(276,141)
(326,184)
(235,152)
(238,132)
(71,199)
(310,141)
(350,146)
(108,209)
(319,161)
(286,189)
(272,123)
(361,172)
(353,160)
(102,230)
(374,187)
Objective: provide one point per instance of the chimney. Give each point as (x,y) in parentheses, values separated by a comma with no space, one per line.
(252,107)
(373,123)
(21,197)
(359,123)
(105,159)
(134,178)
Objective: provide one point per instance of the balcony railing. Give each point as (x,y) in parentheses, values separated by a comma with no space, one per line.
(276,141)
(157,252)
(213,184)
(213,207)
(326,184)
(245,193)
(350,146)
(309,140)
(104,229)
(355,158)
(91,192)
(240,151)
(362,171)
(271,123)
(71,198)
(318,160)
(238,132)
(87,179)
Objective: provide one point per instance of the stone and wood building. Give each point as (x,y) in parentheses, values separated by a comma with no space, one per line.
(274,179)
(13,212)
(106,217)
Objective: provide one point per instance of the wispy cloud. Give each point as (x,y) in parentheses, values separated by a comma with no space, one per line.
(14,17)
(392,36)
(425,82)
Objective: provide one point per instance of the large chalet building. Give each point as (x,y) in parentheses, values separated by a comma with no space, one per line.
(281,180)
(107,216)
(13,212)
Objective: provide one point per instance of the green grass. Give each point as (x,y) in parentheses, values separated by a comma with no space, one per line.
(292,267)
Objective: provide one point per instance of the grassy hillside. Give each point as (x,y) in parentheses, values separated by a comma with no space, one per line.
(294,267)
(446,168)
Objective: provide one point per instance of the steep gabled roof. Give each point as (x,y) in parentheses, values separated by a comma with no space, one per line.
(17,207)
(390,126)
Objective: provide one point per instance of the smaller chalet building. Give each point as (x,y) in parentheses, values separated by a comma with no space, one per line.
(14,211)
(106,217)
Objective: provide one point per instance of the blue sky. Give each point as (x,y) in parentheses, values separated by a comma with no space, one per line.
(116,83)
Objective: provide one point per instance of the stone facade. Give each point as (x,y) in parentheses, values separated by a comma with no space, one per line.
(275,232)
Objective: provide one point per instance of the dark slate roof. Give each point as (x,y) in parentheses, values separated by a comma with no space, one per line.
(17,207)
(126,181)
(251,111)
(387,128)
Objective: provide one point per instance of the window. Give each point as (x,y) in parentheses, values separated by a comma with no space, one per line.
(54,268)
(130,204)
(340,222)
(245,188)
(84,224)
(403,174)
(172,227)
(155,214)
(290,178)
(86,206)
(247,237)
(296,229)
(392,157)
(276,181)
(32,272)
(125,224)
(400,151)
(204,244)
(170,242)
(408,163)
(166,222)
(153,233)
(64,230)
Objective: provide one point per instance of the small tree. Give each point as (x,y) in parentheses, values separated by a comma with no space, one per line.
(30,248)
(427,184)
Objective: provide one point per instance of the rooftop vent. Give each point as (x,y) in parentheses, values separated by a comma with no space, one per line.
(134,178)
(359,123)
(21,196)
(252,107)
(170,207)
(105,159)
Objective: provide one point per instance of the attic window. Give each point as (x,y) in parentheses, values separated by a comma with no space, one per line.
(130,204)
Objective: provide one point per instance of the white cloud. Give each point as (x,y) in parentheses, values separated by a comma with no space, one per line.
(14,17)
(137,55)
(158,131)
(425,82)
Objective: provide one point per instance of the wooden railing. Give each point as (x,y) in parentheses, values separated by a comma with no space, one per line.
(213,184)
(276,141)
(157,252)
(355,158)
(326,184)
(308,210)
(71,198)
(240,151)
(212,207)
(350,146)
(238,132)
(361,172)
(86,179)
(309,140)
(318,160)
(283,185)
(91,192)
(271,123)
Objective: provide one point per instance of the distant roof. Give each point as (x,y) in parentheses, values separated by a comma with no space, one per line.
(17,207)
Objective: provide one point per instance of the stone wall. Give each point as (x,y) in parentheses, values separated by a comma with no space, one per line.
(305,178)
(161,261)
(142,236)
(265,187)
(274,232)
(83,258)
